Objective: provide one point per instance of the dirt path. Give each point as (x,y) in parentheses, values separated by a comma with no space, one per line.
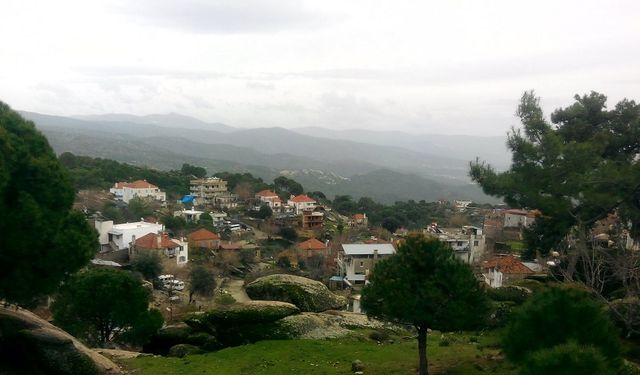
(235,288)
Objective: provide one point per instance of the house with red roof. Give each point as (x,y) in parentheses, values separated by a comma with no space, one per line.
(301,203)
(270,198)
(500,270)
(313,247)
(359,220)
(204,239)
(161,244)
(125,191)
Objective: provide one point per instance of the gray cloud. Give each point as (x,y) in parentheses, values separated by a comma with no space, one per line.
(224,16)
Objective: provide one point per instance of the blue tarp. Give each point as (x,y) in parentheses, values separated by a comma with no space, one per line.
(188,199)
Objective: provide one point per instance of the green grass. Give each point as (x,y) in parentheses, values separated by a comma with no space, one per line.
(318,357)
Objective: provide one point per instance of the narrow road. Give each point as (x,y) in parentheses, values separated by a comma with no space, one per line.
(234,286)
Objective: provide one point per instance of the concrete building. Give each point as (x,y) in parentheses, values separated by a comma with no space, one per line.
(355,261)
(301,203)
(468,242)
(119,236)
(125,191)
(213,192)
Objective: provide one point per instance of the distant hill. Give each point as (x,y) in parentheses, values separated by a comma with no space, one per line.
(171,120)
(385,173)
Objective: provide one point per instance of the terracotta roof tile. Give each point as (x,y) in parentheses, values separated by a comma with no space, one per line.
(138,184)
(507,264)
(302,198)
(311,244)
(203,235)
(150,241)
(266,193)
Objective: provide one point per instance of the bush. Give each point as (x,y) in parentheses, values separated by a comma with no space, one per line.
(379,335)
(500,314)
(558,316)
(224,298)
(515,294)
(567,359)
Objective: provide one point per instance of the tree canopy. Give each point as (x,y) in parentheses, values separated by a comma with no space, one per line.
(577,171)
(42,240)
(426,286)
(102,305)
(560,316)
(203,282)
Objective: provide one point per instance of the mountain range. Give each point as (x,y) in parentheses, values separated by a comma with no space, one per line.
(386,166)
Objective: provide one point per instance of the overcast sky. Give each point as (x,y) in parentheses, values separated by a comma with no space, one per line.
(452,67)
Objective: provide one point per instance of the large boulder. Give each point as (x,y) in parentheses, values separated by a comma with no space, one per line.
(31,345)
(308,295)
(243,323)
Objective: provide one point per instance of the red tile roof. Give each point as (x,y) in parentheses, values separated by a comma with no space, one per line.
(139,184)
(203,235)
(507,264)
(150,241)
(359,217)
(517,212)
(302,198)
(266,193)
(312,244)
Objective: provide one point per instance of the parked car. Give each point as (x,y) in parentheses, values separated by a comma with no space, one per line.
(174,284)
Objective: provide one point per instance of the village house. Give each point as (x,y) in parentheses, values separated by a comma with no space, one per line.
(467,243)
(301,203)
(355,261)
(161,244)
(213,192)
(514,218)
(313,247)
(359,220)
(270,198)
(313,218)
(205,239)
(125,191)
(190,216)
(501,270)
(117,237)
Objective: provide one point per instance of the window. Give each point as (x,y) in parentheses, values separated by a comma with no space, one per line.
(182,259)
(361,264)
(475,243)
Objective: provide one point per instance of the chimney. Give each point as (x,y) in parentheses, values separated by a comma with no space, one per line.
(375,256)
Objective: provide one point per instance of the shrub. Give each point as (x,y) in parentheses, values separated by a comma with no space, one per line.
(225,299)
(379,335)
(567,359)
(512,293)
(558,316)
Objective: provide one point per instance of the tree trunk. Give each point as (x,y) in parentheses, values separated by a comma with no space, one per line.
(422,350)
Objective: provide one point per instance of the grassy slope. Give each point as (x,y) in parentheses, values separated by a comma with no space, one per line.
(316,357)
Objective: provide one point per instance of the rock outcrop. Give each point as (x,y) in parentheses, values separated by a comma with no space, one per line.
(31,345)
(308,295)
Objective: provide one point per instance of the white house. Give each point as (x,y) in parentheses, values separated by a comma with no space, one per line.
(270,198)
(468,243)
(189,215)
(125,191)
(301,203)
(161,244)
(519,218)
(119,236)
(357,260)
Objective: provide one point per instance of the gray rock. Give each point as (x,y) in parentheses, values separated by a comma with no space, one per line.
(357,366)
(39,347)
(182,350)
(307,294)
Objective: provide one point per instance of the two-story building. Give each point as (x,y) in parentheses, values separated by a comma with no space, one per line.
(301,203)
(355,261)
(125,191)
(467,243)
(161,244)
(270,198)
(116,237)
(313,247)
